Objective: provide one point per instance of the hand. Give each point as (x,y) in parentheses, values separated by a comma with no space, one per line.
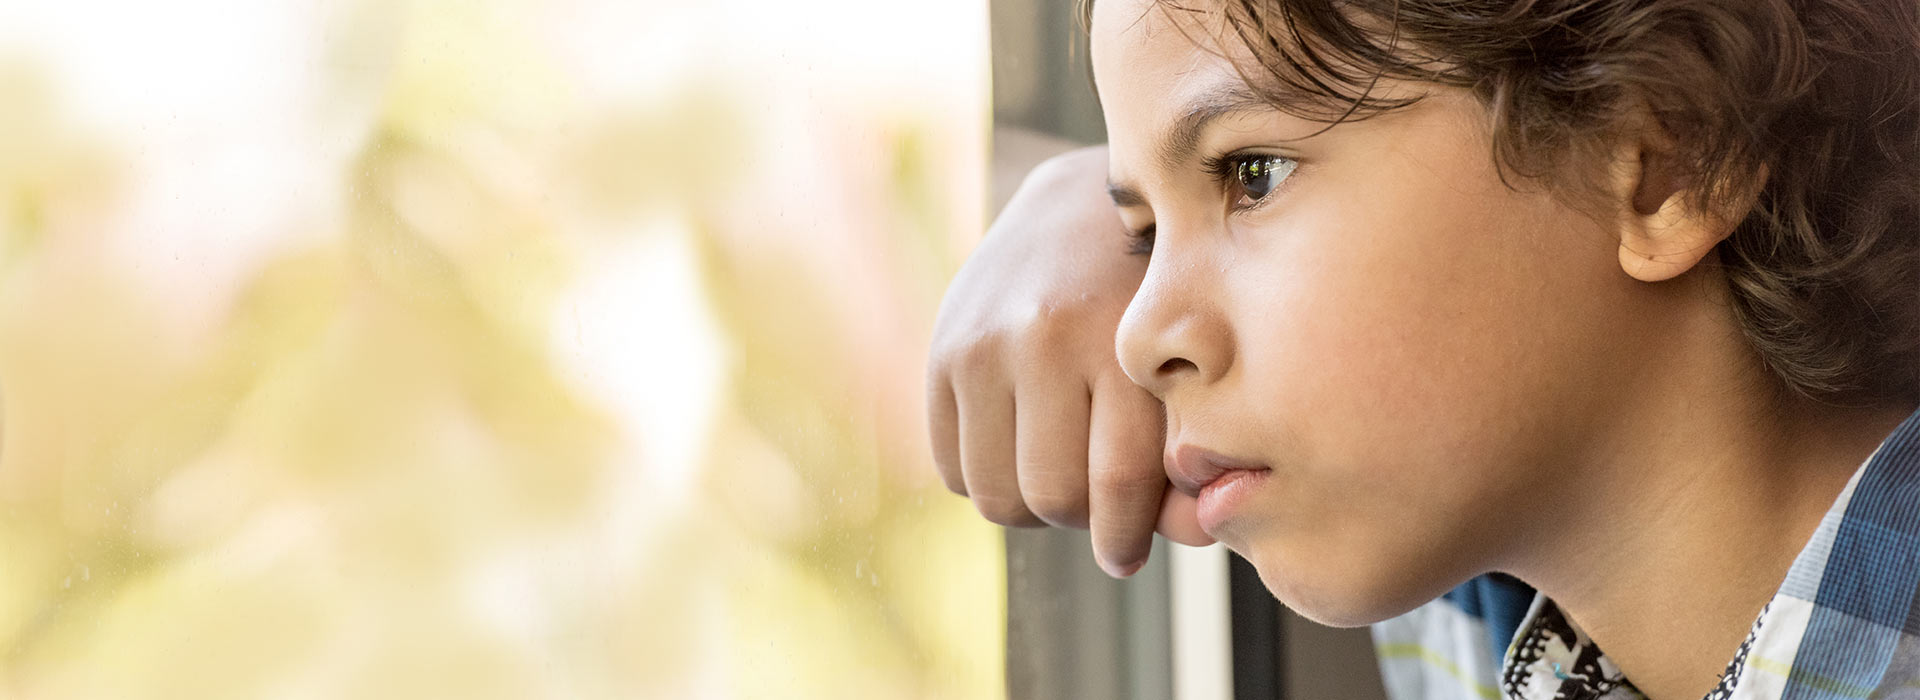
(1031,415)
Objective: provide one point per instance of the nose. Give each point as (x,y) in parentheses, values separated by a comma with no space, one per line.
(1173,332)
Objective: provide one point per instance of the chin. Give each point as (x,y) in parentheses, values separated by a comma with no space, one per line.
(1346,594)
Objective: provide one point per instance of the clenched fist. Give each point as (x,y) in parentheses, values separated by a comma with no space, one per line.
(1031,415)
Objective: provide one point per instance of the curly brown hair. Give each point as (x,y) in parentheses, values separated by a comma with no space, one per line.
(1814,102)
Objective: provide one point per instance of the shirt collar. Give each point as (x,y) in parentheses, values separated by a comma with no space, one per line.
(1551,658)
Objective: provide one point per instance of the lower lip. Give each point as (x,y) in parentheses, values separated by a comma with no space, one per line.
(1218,501)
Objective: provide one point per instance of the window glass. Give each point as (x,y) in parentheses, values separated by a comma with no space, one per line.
(503,349)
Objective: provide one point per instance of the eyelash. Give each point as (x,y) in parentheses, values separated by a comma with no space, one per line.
(1225,171)
(1140,242)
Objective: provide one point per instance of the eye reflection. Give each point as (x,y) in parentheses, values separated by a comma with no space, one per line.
(1258,175)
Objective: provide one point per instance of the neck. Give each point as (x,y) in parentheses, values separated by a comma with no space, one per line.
(1700,497)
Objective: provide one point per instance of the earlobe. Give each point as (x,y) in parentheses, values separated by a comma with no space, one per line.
(1664,232)
(1668,242)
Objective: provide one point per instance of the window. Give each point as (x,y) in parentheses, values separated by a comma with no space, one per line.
(485,350)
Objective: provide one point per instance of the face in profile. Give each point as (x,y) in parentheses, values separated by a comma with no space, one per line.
(1415,352)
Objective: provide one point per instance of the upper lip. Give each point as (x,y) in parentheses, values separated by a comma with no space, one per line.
(1191,468)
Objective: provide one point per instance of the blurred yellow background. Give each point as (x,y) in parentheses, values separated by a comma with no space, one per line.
(504,349)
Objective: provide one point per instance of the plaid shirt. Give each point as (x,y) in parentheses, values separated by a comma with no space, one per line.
(1844,623)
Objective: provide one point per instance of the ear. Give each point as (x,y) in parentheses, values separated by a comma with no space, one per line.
(1662,232)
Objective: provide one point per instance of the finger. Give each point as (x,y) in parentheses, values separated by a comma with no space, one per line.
(1180,522)
(986,450)
(943,426)
(1050,447)
(1125,474)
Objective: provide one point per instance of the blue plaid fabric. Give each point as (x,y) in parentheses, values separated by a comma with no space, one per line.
(1844,624)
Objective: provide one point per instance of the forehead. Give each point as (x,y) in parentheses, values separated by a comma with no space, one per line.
(1150,62)
(1150,34)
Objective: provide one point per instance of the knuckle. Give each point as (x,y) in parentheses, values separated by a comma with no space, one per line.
(1003,510)
(982,356)
(1057,496)
(1118,476)
(1039,324)
(1059,507)
(1034,334)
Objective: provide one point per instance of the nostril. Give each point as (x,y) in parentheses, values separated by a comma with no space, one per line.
(1175,365)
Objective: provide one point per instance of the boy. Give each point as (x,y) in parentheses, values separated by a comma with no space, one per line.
(1618,299)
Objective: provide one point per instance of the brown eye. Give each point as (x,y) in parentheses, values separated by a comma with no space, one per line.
(1258,175)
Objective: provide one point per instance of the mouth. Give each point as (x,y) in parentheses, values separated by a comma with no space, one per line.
(1220,485)
(1192,468)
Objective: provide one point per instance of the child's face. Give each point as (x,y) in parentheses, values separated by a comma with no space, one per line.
(1420,354)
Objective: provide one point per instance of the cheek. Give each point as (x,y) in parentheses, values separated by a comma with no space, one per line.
(1441,318)
(1424,356)
(1421,341)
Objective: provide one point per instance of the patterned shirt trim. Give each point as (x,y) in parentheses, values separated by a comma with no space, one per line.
(1845,623)
(1554,659)
(1857,633)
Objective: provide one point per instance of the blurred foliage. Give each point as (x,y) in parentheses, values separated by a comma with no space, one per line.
(450,434)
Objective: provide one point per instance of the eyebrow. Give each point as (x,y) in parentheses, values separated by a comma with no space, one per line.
(1181,139)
